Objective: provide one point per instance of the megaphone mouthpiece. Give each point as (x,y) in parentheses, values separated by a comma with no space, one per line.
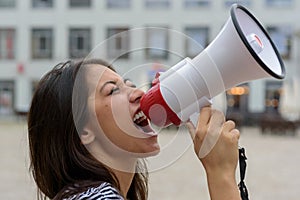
(255,43)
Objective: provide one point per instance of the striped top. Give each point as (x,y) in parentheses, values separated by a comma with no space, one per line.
(103,192)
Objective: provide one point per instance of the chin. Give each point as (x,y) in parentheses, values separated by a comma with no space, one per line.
(148,151)
(147,154)
(153,153)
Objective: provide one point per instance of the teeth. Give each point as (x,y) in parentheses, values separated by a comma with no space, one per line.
(139,115)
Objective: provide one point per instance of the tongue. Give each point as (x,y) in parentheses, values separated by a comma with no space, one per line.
(143,123)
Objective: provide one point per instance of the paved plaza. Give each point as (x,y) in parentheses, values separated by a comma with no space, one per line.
(273,171)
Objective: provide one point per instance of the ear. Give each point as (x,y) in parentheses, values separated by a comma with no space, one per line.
(87,137)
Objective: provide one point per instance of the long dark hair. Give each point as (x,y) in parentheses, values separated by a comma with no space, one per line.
(60,164)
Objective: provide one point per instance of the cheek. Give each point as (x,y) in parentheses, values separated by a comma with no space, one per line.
(114,117)
(110,127)
(122,116)
(104,114)
(108,117)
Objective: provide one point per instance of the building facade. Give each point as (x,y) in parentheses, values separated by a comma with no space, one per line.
(151,34)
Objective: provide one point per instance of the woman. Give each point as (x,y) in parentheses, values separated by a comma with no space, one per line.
(88,137)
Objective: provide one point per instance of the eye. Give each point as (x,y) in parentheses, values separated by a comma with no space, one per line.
(129,83)
(113,90)
(133,85)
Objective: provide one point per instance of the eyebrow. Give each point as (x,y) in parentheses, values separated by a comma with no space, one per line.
(128,79)
(112,82)
(106,83)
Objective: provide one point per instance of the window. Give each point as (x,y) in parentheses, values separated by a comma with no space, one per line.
(196,3)
(272,96)
(80,3)
(279,2)
(228,3)
(157,4)
(79,42)
(7,43)
(237,98)
(281,36)
(42,43)
(118,3)
(197,41)
(118,42)
(7,3)
(34,85)
(6,97)
(157,43)
(42,3)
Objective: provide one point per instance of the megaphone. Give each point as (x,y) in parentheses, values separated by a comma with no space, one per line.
(241,52)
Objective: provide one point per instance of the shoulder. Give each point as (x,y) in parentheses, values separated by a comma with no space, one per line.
(105,191)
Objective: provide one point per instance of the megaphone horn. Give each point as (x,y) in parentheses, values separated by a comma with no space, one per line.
(241,52)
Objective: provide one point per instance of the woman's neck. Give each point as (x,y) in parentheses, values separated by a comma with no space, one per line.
(125,180)
(123,167)
(120,162)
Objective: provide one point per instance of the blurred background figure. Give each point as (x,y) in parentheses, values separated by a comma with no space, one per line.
(152,73)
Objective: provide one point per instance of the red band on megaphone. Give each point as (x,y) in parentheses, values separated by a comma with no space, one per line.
(156,109)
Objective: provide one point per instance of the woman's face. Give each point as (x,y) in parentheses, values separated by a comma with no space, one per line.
(117,109)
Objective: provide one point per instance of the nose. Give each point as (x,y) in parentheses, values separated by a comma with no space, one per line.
(135,95)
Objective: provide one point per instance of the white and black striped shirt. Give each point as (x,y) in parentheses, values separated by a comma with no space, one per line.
(103,192)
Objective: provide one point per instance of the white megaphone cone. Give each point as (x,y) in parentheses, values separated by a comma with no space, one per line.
(242,51)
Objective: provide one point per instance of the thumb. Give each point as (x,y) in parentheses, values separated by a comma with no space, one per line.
(191,128)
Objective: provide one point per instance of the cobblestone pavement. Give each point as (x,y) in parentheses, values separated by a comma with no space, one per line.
(272,172)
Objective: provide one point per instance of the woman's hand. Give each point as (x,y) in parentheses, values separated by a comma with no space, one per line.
(216,145)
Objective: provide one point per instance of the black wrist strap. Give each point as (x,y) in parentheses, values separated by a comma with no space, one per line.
(243,165)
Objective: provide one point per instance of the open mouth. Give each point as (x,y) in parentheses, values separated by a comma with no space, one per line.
(141,122)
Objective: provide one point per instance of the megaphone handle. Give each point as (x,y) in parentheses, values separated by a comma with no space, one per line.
(204,101)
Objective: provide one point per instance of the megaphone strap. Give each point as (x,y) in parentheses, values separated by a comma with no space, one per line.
(243,165)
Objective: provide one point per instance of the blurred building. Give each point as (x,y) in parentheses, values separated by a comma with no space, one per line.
(37,34)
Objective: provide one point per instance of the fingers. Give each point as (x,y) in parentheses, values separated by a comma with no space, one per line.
(228,126)
(230,130)
(213,131)
(201,124)
(235,133)
(210,128)
(204,118)
(217,120)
